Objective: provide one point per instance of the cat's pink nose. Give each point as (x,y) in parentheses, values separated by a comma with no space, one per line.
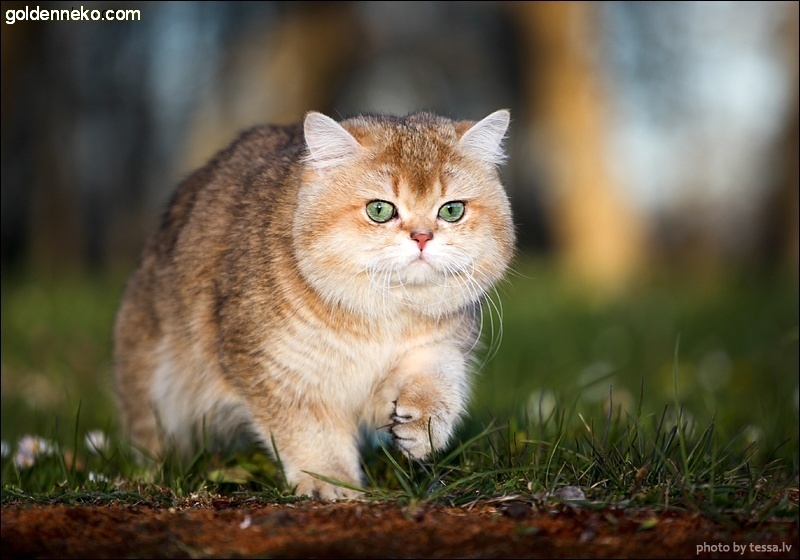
(421,237)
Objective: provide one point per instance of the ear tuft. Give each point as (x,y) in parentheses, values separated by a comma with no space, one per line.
(484,140)
(328,142)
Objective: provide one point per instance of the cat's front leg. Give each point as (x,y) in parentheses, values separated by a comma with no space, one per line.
(310,440)
(432,395)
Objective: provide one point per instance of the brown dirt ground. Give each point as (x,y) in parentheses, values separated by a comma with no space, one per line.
(231,528)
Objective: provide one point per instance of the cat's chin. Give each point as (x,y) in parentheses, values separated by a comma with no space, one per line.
(421,272)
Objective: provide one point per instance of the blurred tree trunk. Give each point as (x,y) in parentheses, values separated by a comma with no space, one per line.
(785,212)
(780,217)
(789,211)
(277,76)
(41,220)
(599,237)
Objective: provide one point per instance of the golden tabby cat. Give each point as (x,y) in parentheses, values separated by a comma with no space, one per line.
(312,279)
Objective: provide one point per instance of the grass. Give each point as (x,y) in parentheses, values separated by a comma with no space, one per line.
(680,395)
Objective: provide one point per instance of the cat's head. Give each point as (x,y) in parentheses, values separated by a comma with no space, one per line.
(403,213)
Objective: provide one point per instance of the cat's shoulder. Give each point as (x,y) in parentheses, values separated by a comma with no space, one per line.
(267,151)
(264,144)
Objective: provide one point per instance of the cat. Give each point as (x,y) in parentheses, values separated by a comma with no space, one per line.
(312,279)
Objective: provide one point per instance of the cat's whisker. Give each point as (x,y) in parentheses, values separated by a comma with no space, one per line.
(406,296)
(479,310)
(467,271)
(380,280)
(497,306)
(388,296)
(479,294)
(467,282)
(477,318)
(371,272)
(494,307)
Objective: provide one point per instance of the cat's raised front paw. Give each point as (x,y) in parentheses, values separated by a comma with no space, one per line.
(414,431)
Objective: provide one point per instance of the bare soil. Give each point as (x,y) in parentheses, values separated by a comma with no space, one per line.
(239,528)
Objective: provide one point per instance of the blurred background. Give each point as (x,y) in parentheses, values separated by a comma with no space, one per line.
(653,170)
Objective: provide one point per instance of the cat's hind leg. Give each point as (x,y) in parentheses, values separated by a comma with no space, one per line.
(133,373)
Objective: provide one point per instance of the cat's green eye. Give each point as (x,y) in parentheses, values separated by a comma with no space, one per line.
(451,211)
(381,211)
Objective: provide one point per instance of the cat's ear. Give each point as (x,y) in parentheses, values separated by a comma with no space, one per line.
(328,142)
(484,139)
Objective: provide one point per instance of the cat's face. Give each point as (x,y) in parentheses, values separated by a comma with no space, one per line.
(406,213)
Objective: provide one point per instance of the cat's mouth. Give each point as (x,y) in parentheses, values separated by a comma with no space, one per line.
(421,261)
(421,271)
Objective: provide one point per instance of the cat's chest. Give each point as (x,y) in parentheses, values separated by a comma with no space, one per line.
(345,363)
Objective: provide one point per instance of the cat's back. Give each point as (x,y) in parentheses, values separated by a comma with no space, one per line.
(183,260)
(253,168)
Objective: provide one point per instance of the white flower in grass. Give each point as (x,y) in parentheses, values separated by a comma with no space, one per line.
(541,405)
(753,434)
(5,449)
(569,494)
(97,477)
(97,441)
(30,448)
